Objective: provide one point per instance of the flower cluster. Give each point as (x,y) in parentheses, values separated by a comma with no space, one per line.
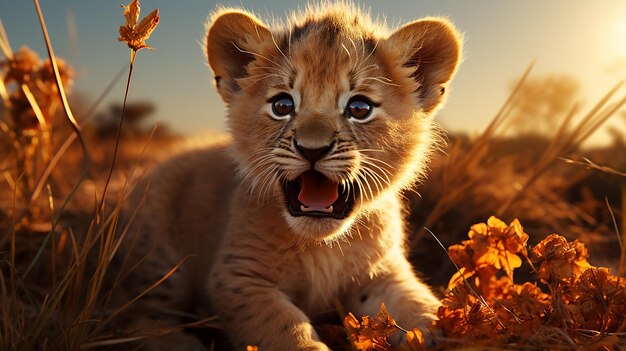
(485,306)
(133,34)
(560,259)
(571,305)
(492,247)
(29,100)
(371,334)
(30,86)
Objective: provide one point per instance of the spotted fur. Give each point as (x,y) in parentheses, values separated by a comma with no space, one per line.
(269,274)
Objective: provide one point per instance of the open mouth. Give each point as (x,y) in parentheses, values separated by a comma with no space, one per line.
(313,194)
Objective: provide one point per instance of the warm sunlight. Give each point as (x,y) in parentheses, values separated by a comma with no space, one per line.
(619,36)
(312,175)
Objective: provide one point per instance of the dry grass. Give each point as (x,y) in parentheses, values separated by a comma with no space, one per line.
(523,176)
(57,239)
(55,284)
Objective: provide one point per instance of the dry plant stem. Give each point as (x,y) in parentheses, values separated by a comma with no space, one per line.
(143,293)
(108,248)
(133,54)
(82,321)
(469,286)
(554,143)
(4,128)
(77,131)
(61,91)
(67,286)
(72,137)
(4,94)
(4,42)
(45,130)
(53,242)
(592,165)
(69,115)
(83,325)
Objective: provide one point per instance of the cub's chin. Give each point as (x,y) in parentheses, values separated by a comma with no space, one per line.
(317,207)
(318,229)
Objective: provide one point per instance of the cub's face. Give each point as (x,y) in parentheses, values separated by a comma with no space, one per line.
(329,114)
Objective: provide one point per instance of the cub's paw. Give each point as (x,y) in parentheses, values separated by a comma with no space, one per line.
(175,342)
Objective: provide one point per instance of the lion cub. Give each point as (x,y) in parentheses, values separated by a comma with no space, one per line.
(330,118)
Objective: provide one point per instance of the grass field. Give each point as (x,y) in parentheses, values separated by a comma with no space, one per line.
(65,175)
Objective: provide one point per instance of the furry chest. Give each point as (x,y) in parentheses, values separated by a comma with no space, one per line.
(317,278)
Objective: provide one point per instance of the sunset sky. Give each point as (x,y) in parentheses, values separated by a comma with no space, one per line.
(581,38)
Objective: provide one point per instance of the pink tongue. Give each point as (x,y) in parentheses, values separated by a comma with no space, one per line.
(317,191)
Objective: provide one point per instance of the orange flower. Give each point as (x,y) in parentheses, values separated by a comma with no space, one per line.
(496,244)
(481,320)
(462,314)
(492,288)
(457,298)
(463,257)
(414,341)
(527,301)
(560,259)
(492,246)
(580,262)
(598,302)
(22,66)
(588,302)
(473,321)
(371,334)
(134,35)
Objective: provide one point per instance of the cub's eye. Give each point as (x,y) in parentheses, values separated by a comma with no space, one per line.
(359,108)
(282,105)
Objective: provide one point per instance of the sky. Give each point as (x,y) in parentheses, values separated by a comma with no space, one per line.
(581,38)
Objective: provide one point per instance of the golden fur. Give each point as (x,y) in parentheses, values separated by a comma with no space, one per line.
(268,273)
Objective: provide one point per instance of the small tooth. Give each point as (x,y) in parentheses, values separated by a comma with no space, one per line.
(328,209)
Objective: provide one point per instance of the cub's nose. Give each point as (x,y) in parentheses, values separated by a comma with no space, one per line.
(314,155)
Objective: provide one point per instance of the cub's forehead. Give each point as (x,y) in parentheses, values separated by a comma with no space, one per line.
(325,49)
(335,48)
(338,32)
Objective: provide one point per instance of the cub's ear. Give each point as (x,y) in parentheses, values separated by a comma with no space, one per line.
(233,38)
(432,48)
